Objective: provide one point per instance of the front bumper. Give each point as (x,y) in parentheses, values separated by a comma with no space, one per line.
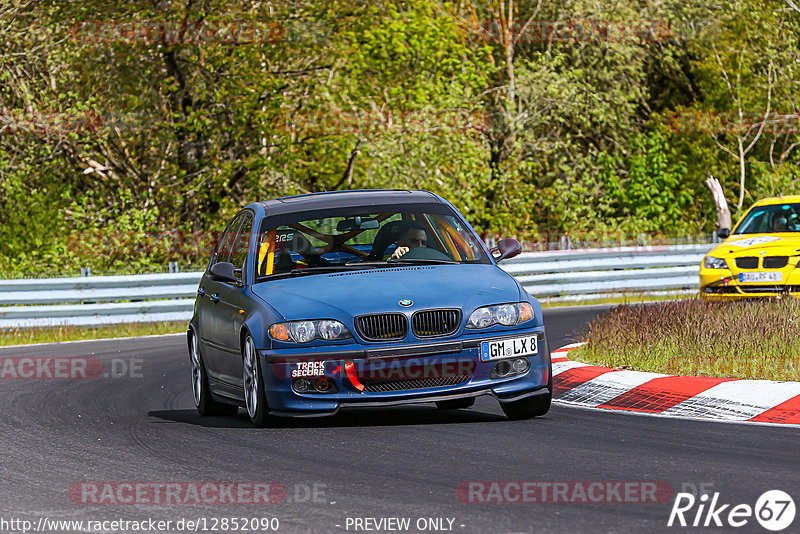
(428,368)
(724,285)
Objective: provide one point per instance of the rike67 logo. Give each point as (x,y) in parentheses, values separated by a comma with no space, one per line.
(774,510)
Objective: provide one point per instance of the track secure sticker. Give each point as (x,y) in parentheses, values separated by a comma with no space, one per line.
(308,369)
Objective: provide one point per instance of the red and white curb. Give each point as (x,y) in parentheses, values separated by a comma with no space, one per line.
(762,401)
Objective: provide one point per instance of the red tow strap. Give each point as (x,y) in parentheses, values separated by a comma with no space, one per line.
(350,369)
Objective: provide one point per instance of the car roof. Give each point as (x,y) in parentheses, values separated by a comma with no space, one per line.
(338,199)
(778,200)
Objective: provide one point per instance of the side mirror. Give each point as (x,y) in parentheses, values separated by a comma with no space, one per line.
(225,272)
(724,233)
(508,248)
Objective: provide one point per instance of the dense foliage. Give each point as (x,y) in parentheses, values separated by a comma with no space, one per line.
(124,122)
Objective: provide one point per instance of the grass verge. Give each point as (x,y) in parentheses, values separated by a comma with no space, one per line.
(24,336)
(756,339)
(630,298)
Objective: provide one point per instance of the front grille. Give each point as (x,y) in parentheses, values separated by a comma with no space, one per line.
(763,289)
(747,262)
(775,262)
(721,290)
(382,326)
(435,323)
(383,386)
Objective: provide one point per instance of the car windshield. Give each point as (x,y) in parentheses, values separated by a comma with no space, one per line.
(774,218)
(364,238)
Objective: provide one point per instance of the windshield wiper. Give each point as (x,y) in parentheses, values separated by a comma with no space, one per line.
(394,261)
(426,261)
(379,263)
(331,268)
(315,270)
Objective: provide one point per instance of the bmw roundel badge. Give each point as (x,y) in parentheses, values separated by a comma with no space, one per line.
(406,303)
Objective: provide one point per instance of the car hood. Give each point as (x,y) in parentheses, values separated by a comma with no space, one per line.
(786,244)
(353,293)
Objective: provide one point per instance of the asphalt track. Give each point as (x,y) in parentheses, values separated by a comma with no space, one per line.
(401,462)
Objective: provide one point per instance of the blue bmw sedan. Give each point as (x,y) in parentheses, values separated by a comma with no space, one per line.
(319,302)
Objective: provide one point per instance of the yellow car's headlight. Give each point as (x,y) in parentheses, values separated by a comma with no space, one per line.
(710,262)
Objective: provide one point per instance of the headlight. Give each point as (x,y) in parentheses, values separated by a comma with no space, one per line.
(710,262)
(505,314)
(307,331)
(303,331)
(481,318)
(330,329)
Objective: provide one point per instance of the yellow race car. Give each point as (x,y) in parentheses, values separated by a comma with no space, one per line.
(760,257)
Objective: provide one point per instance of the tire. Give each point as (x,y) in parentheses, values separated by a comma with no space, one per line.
(201,392)
(455,404)
(532,406)
(255,399)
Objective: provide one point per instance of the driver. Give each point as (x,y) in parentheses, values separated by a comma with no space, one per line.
(412,236)
(780,224)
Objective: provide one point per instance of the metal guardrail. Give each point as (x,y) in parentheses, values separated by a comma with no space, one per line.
(96,300)
(613,271)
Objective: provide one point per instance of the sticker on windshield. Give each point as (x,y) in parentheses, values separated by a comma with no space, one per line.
(752,241)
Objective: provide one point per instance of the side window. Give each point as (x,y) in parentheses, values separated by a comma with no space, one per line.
(242,243)
(225,244)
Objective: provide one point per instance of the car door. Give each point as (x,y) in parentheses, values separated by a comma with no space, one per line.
(208,308)
(232,307)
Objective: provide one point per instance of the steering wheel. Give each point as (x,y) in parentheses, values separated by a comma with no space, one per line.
(425,253)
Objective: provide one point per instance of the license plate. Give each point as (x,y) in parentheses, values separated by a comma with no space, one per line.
(509,348)
(761,277)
